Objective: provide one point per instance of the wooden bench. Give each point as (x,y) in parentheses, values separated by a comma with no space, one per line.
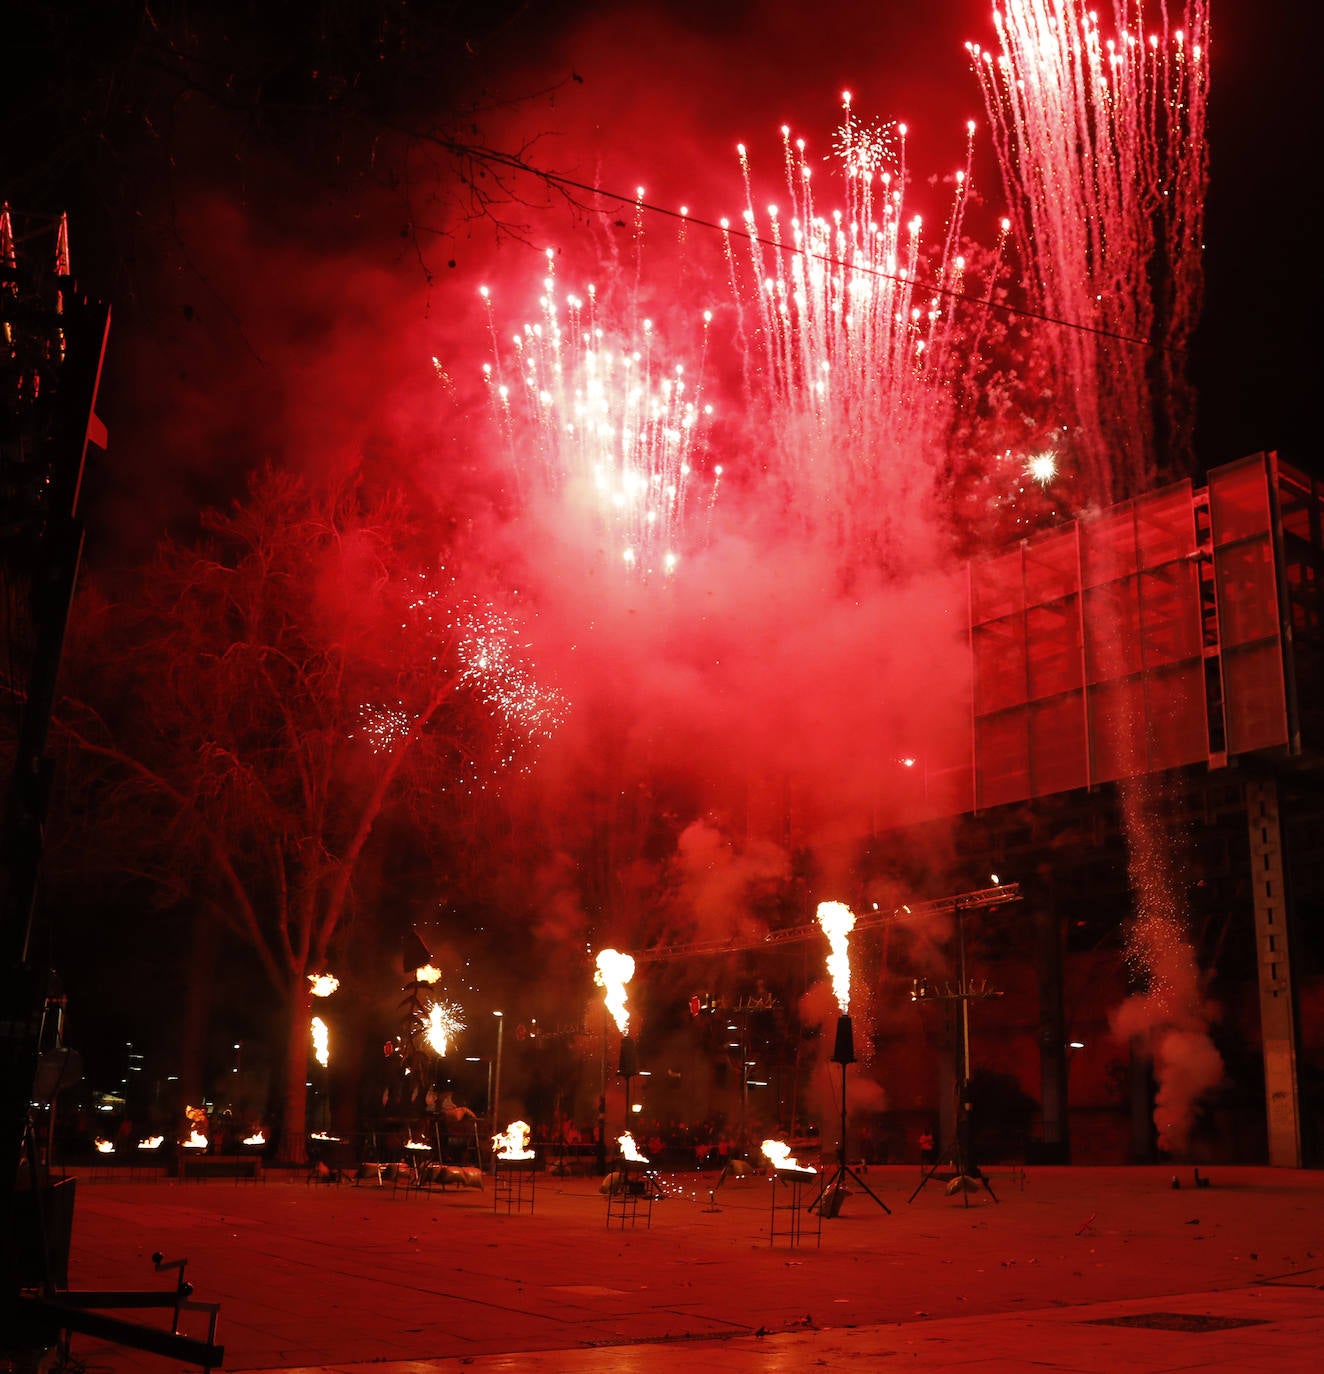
(198,1165)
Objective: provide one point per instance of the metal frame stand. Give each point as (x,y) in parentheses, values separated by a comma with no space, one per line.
(627,1196)
(790,1183)
(514,1185)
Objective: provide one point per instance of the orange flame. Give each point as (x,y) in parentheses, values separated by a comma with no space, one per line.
(323,984)
(429,973)
(412,1144)
(152,1142)
(614,971)
(257,1138)
(513,1142)
(105,1147)
(838,920)
(195,1141)
(321,1041)
(778,1154)
(629,1150)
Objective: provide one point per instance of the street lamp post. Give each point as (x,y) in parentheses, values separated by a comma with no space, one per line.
(496,1089)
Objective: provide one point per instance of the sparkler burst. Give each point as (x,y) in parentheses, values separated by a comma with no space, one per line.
(495,671)
(1042,467)
(383,727)
(485,650)
(865,149)
(444,1021)
(598,421)
(1105,160)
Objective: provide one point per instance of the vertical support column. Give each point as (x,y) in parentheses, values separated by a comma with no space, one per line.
(1052,1039)
(1273,956)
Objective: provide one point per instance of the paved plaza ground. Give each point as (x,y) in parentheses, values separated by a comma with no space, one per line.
(1073,1269)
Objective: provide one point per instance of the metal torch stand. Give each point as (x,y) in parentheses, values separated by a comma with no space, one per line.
(834,1190)
(788,1207)
(514,1185)
(630,1195)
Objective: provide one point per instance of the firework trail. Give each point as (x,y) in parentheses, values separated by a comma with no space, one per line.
(856,349)
(1105,162)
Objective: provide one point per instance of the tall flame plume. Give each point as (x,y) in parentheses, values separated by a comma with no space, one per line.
(838,920)
(614,971)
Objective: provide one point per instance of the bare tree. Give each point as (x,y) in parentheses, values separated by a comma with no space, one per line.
(276,690)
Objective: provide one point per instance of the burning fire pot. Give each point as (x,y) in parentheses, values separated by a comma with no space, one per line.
(631,1187)
(514,1170)
(788,1179)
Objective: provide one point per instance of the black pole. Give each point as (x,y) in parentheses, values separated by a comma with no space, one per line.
(85,326)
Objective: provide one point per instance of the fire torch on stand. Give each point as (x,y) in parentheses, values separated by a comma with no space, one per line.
(614,971)
(838,920)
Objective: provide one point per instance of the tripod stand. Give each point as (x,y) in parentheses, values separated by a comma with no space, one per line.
(960,1156)
(834,1191)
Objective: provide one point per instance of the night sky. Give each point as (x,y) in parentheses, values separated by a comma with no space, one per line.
(248,276)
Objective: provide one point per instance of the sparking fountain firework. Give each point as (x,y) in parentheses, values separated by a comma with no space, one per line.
(596,420)
(443,1021)
(1105,158)
(859,352)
